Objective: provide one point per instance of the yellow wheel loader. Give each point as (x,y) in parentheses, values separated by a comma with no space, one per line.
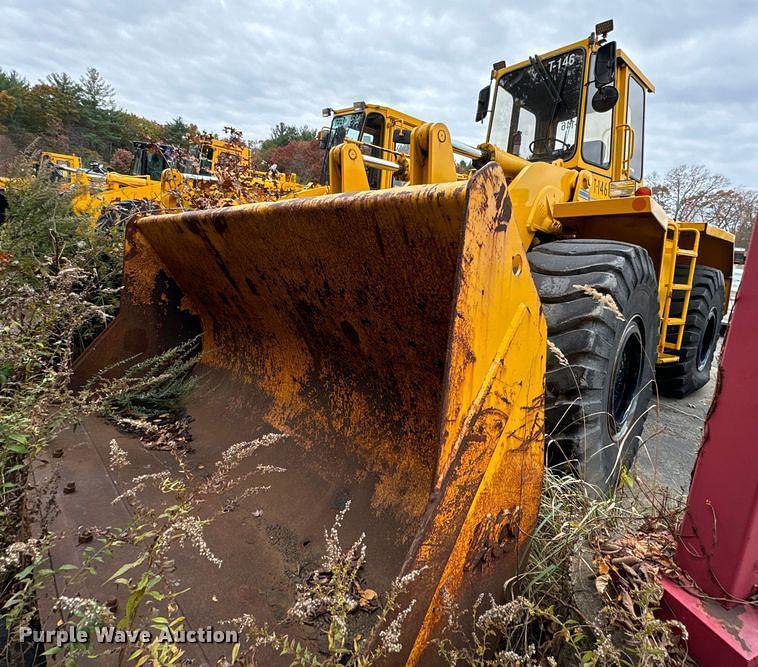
(217,173)
(380,133)
(61,166)
(397,338)
(567,128)
(159,176)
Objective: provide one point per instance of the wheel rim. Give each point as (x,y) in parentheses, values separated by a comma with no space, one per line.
(708,341)
(626,376)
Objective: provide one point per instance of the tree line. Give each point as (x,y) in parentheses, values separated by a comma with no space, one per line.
(66,115)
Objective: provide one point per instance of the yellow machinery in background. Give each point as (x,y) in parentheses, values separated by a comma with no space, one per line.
(397,338)
(161,176)
(380,133)
(217,173)
(62,165)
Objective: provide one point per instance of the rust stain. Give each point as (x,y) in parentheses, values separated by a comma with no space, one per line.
(493,537)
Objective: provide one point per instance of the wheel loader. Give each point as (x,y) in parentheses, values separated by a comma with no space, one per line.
(159,172)
(418,346)
(380,133)
(219,172)
(61,165)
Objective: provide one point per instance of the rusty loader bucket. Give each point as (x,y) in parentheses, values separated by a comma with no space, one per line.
(396,339)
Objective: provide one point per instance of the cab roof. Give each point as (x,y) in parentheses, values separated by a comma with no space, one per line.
(497,71)
(388,112)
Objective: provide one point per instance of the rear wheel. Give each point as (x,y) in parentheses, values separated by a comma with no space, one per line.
(701,332)
(601,363)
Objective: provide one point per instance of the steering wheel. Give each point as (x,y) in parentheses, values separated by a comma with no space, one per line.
(546,139)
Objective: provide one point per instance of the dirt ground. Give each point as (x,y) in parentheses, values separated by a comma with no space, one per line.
(672,436)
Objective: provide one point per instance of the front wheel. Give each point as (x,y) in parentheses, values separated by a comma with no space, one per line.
(600,300)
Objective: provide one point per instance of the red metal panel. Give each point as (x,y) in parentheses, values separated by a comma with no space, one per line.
(717,636)
(719,535)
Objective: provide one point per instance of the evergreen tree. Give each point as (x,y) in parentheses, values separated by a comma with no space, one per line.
(96,92)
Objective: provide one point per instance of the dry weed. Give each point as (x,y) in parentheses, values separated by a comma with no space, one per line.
(605,299)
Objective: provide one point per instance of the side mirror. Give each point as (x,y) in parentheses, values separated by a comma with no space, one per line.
(606,96)
(483,104)
(402,136)
(323,138)
(605,99)
(605,65)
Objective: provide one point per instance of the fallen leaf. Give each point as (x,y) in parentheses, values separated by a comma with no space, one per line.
(601,583)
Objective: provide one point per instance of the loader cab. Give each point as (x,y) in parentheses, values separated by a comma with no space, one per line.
(581,106)
(208,156)
(150,159)
(382,132)
(59,166)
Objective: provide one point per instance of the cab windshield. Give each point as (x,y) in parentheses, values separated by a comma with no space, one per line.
(348,126)
(150,160)
(536,108)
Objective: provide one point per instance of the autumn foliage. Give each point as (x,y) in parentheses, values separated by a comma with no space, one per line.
(302,157)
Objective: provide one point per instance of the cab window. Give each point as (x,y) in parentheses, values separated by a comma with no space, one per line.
(206,160)
(635,118)
(598,132)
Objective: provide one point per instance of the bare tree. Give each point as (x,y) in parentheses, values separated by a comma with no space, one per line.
(694,192)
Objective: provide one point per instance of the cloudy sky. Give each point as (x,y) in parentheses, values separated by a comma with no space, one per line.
(251,64)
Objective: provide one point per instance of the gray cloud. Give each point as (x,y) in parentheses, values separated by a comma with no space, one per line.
(251,64)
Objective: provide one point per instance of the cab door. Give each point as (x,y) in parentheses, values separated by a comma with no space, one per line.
(630,130)
(372,137)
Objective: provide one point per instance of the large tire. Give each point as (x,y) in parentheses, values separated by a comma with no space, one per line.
(114,216)
(596,406)
(701,332)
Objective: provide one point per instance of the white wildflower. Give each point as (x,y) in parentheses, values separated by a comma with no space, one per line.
(118,457)
(239,451)
(139,482)
(501,616)
(390,636)
(189,527)
(401,583)
(269,469)
(89,612)
(13,554)
(332,537)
